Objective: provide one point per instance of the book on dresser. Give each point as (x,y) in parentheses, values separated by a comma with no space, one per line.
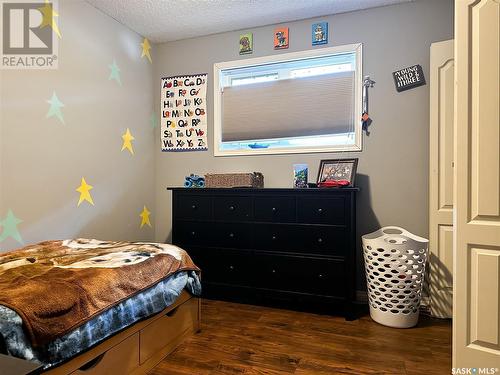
(292,247)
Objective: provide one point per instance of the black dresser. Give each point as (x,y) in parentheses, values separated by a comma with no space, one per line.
(294,247)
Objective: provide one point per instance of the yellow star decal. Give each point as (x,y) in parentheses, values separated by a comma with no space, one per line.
(145,217)
(48,18)
(127,141)
(84,190)
(145,49)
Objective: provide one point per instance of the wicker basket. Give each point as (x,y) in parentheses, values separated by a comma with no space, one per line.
(233,180)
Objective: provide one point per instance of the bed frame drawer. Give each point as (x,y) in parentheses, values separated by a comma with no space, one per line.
(121,359)
(172,325)
(132,351)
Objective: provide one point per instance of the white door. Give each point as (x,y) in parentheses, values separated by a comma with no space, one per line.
(476,297)
(442,83)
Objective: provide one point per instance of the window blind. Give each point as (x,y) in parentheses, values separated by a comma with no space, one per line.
(297,107)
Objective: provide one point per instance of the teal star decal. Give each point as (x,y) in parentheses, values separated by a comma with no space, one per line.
(154,120)
(55,107)
(115,73)
(9,225)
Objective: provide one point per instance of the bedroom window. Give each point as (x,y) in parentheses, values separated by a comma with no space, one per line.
(297,102)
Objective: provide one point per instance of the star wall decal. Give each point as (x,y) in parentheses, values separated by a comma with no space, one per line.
(55,108)
(146,47)
(127,141)
(115,73)
(145,217)
(84,190)
(9,228)
(48,18)
(153,120)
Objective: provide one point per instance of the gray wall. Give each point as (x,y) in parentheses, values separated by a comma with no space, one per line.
(42,160)
(393,166)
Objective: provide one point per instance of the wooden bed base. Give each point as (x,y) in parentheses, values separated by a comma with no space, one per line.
(139,348)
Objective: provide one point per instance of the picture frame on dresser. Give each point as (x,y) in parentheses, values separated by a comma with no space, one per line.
(287,247)
(338,170)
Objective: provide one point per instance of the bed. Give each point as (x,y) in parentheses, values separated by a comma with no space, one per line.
(97,307)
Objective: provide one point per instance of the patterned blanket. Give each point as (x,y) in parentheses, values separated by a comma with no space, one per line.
(56,286)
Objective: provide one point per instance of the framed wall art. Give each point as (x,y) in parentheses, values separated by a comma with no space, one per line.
(246,44)
(319,33)
(281,38)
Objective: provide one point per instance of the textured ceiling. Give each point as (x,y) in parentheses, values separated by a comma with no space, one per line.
(167,20)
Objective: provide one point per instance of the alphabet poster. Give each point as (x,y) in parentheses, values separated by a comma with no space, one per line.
(184,113)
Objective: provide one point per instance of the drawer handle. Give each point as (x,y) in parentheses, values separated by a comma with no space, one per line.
(172,312)
(231,208)
(231,235)
(320,210)
(194,207)
(274,237)
(93,363)
(320,240)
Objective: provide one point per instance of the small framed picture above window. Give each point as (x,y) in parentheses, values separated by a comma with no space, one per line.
(319,33)
(337,173)
(281,38)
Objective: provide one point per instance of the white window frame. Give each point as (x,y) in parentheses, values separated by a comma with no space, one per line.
(358,134)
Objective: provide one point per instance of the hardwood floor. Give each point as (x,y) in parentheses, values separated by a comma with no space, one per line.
(246,339)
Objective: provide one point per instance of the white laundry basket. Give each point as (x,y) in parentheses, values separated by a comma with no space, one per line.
(395,267)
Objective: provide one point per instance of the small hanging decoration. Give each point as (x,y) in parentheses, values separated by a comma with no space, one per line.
(365,117)
(145,217)
(281,38)
(408,78)
(146,47)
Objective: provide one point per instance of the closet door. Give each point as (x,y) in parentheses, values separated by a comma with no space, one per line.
(476,298)
(442,83)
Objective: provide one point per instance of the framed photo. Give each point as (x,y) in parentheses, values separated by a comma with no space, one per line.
(246,43)
(336,170)
(281,38)
(319,33)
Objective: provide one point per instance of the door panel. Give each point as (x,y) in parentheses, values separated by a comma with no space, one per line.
(442,83)
(484,156)
(476,315)
(485,292)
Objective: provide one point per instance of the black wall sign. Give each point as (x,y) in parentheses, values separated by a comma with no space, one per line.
(409,78)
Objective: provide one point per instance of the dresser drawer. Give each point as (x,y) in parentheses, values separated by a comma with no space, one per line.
(301,274)
(233,235)
(321,210)
(233,208)
(275,209)
(228,267)
(275,237)
(320,239)
(195,207)
(193,233)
